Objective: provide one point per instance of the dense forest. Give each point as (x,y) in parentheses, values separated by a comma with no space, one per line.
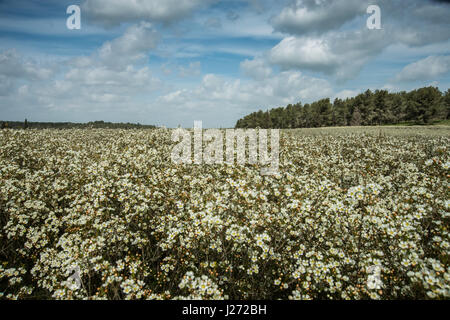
(422,106)
(70,125)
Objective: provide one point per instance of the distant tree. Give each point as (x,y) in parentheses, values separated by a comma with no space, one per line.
(356,118)
(25,124)
(446,103)
(325,113)
(267,120)
(339,113)
(422,106)
(397,107)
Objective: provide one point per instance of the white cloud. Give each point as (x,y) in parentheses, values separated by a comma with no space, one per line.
(116,72)
(116,77)
(114,12)
(344,94)
(15,69)
(6,85)
(257,69)
(194,69)
(14,66)
(131,77)
(130,48)
(217,97)
(339,54)
(317,16)
(421,35)
(426,69)
(219,101)
(306,53)
(319,42)
(118,66)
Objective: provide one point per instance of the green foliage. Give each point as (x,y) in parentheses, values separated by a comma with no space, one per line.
(422,106)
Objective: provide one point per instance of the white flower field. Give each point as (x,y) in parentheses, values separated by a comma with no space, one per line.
(112,203)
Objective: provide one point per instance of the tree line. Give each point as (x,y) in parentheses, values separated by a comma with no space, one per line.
(421,106)
(70,125)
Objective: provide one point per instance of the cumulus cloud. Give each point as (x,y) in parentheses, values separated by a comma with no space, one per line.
(339,54)
(14,66)
(418,36)
(114,12)
(88,90)
(215,93)
(317,16)
(6,85)
(416,23)
(114,77)
(344,94)
(130,48)
(14,69)
(133,45)
(131,77)
(257,68)
(317,41)
(193,69)
(117,70)
(426,69)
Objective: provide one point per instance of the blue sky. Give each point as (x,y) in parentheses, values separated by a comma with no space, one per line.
(170,62)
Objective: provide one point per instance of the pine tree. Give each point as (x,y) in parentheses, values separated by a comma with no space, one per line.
(356,118)
(422,106)
(447,103)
